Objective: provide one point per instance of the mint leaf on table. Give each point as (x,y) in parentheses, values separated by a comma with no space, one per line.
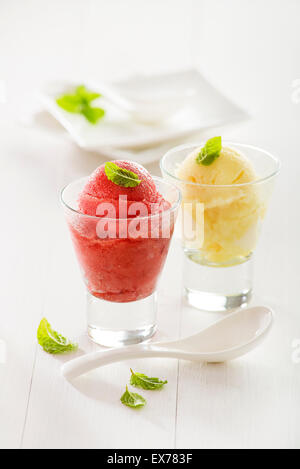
(80,103)
(53,342)
(142,381)
(131,399)
(210,151)
(120,176)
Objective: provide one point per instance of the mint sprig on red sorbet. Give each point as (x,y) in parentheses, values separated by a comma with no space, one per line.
(121,176)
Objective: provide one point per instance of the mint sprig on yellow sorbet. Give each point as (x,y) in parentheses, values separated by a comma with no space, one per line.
(210,151)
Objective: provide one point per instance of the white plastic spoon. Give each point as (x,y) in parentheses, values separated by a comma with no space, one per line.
(228,338)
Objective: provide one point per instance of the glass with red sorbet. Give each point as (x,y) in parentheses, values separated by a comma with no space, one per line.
(121,221)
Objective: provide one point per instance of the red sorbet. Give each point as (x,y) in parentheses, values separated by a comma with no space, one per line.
(125,267)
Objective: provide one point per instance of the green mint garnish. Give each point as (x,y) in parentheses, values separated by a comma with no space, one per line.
(131,399)
(51,341)
(142,381)
(79,102)
(120,176)
(70,103)
(93,114)
(210,151)
(86,95)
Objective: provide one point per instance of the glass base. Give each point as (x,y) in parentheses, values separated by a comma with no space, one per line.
(116,324)
(217,288)
(213,302)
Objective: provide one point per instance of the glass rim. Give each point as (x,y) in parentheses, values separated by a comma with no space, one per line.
(173,207)
(243,145)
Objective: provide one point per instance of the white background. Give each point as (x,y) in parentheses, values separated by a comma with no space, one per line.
(250,51)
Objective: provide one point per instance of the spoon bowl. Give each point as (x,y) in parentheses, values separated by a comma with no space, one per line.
(227,339)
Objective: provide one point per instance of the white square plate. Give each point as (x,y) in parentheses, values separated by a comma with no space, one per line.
(198,105)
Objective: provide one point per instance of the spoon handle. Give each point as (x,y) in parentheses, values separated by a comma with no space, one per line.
(90,361)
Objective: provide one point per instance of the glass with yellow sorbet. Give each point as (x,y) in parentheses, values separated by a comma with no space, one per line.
(225,192)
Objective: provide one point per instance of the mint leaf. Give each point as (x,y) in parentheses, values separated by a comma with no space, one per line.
(70,103)
(120,176)
(93,114)
(131,399)
(86,95)
(210,151)
(142,381)
(51,341)
(80,103)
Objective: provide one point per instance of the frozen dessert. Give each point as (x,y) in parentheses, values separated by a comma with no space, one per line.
(215,176)
(121,267)
(99,188)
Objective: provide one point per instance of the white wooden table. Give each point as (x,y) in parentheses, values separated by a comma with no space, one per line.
(251,52)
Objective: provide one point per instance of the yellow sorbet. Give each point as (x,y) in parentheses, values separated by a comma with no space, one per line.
(231,214)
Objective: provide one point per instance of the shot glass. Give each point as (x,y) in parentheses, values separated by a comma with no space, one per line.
(121,260)
(220,227)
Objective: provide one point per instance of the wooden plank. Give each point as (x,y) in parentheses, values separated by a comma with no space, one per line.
(24,257)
